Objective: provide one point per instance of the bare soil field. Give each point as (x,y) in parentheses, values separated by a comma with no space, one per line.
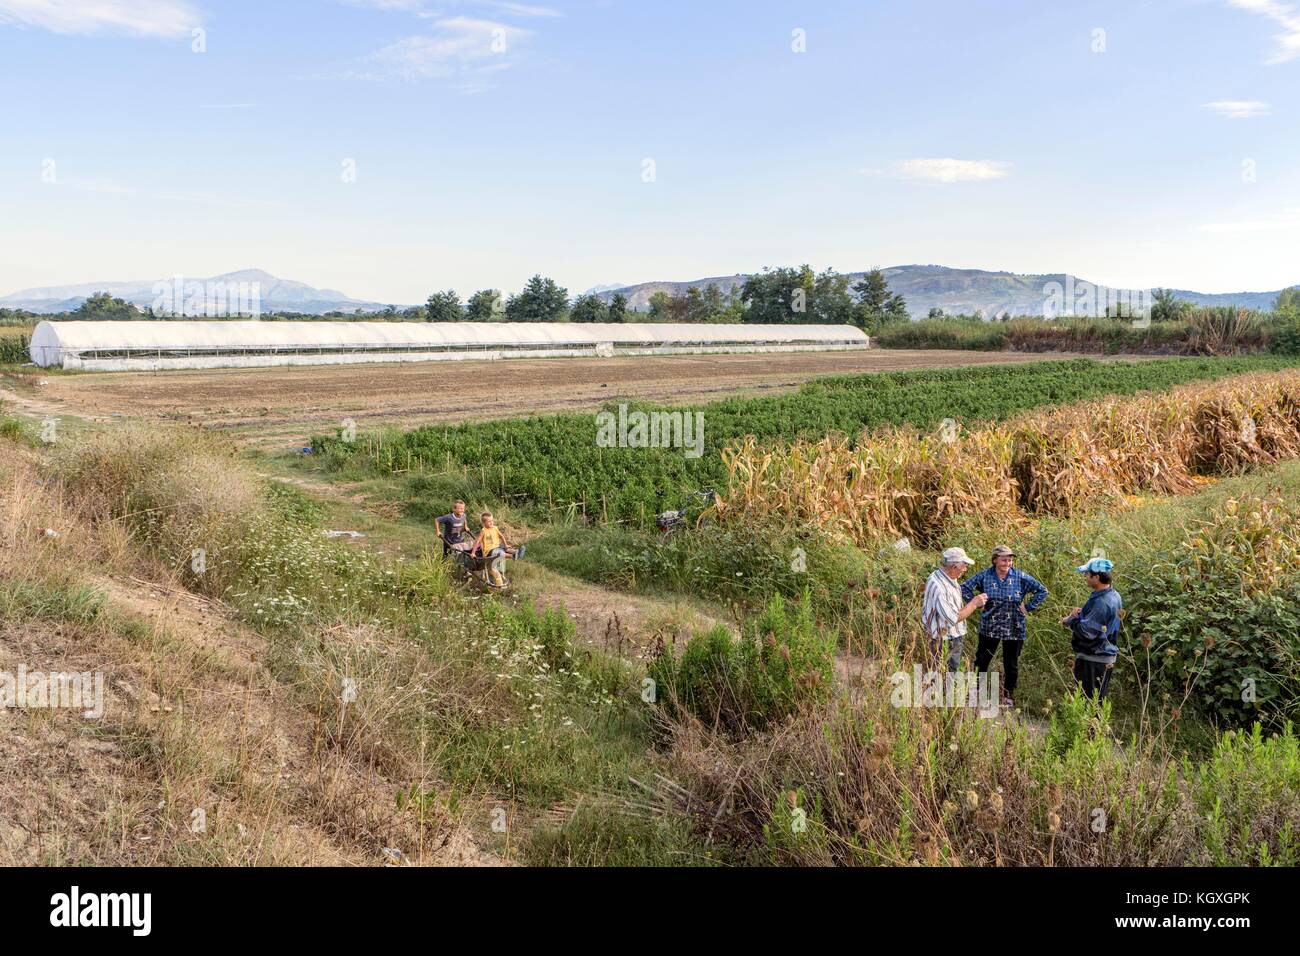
(283,406)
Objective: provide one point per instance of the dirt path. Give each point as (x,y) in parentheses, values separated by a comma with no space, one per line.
(278,407)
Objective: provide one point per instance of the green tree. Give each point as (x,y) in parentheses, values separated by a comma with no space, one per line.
(777,296)
(588,308)
(877,306)
(935,313)
(443,307)
(101,305)
(541,300)
(486,305)
(617,308)
(1288,301)
(1167,307)
(831,303)
(659,306)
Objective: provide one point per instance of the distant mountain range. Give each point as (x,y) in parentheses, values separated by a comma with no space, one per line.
(956,291)
(960,291)
(274,294)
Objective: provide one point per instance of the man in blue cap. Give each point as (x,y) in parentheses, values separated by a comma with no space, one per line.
(1094,629)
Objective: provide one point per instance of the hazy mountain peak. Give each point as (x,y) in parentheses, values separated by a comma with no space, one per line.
(276,294)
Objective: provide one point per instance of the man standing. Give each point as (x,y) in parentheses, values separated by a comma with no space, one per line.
(1012,595)
(943,615)
(1094,630)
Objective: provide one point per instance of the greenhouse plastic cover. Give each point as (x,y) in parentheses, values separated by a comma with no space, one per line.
(53,340)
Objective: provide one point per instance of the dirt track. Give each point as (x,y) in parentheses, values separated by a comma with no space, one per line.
(283,406)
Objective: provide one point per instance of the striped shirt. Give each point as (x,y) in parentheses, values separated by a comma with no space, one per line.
(942,605)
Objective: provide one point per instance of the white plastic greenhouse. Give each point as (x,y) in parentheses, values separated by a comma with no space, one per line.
(164,344)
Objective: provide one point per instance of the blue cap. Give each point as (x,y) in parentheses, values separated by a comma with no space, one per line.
(1096,566)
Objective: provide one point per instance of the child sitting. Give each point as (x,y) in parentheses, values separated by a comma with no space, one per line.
(492,546)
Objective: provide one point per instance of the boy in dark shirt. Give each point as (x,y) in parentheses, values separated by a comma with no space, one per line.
(454,530)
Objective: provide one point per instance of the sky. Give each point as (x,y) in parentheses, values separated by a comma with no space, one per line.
(390,148)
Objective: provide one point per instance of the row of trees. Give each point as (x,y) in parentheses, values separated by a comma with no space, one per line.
(773,296)
(540,300)
(788,296)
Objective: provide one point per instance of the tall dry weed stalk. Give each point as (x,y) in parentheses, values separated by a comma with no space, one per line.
(904,482)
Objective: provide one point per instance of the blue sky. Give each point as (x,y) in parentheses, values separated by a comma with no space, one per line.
(1134,142)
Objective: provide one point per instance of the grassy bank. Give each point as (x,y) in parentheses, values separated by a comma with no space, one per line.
(1206,331)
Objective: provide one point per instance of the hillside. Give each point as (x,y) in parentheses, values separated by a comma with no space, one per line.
(956,290)
(276,294)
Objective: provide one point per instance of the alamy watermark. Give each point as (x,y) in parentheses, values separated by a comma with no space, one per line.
(1087,300)
(53,690)
(209,297)
(963,689)
(659,429)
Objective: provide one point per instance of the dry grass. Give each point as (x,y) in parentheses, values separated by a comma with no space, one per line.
(901,482)
(211,750)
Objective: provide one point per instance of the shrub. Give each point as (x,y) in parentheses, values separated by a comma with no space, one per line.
(780,662)
(739,562)
(1286,335)
(13,348)
(1219,618)
(1246,796)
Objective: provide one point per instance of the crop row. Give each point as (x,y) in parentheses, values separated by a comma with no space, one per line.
(556,461)
(1053,461)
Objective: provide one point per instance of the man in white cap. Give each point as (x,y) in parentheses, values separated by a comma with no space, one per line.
(943,614)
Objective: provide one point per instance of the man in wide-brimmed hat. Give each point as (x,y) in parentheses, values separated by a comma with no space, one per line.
(1094,629)
(944,613)
(1012,596)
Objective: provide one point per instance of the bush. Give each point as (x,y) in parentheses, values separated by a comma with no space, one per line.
(946,333)
(1286,335)
(741,562)
(13,348)
(780,662)
(1246,794)
(1219,617)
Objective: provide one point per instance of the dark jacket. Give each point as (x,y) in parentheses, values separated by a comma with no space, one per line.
(1095,632)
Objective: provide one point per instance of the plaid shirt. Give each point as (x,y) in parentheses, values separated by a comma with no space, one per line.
(1000,618)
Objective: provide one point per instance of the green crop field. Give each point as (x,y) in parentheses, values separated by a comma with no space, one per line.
(554,461)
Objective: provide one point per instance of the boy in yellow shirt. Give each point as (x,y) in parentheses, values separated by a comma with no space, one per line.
(492,546)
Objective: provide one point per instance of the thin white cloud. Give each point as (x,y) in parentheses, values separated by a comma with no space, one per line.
(952,170)
(523,9)
(1287,219)
(1238,109)
(460,46)
(147,18)
(411,6)
(1284,15)
(424,8)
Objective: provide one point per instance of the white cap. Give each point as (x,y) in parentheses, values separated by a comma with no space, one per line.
(956,556)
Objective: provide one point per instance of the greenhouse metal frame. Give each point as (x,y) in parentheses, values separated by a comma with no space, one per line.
(165,344)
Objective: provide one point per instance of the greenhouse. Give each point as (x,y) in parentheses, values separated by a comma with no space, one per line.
(165,344)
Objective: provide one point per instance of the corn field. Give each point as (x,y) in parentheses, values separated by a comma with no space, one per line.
(914,483)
